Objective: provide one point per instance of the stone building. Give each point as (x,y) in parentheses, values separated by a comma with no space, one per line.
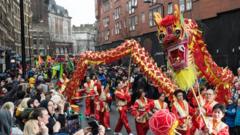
(10,39)
(40,29)
(83,37)
(59,28)
(41,40)
(51,29)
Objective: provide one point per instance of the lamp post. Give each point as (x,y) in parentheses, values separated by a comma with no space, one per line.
(22,38)
(30,48)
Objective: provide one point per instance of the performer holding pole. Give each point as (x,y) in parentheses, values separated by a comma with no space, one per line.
(214,124)
(182,111)
(159,103)
(90,90)
(141,110)
(210,102)
(103,108)
(122,98)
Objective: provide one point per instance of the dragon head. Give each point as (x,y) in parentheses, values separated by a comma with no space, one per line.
(172,36)
(175,34)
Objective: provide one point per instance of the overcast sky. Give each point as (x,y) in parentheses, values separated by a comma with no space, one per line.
(81,11)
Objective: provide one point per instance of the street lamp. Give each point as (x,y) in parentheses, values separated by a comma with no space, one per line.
(22,39)
(29,43)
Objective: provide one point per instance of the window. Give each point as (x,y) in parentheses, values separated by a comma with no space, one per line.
(117,28)
(116,13)
(34,41)
(143,17)
(151,17)
(132,4)
(170,8)
(106,22)
(61,51)
(133,22)
(182,5)
(188,4)
(136,20)
(57,51)
(106,6)
(40,41)
(106,35)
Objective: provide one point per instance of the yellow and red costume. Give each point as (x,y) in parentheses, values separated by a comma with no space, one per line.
(103,109)
(182,111)
(96,99)
(158,105)
(208,106)
(215,128)
(200,99)
(90,90)
(141,110)
(122,99)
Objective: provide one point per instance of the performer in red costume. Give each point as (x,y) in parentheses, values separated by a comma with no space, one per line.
(90,90)
(98,85)
(141,110)
(103,108)
(209,103)
(183,112)
(122,98)
(159,103)
(214,124)
(191,98)
(201,98)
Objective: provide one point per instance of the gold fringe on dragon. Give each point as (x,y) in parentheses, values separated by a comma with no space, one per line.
(186,53)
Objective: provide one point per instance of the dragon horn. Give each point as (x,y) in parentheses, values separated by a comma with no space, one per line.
(176,11)
(157,18)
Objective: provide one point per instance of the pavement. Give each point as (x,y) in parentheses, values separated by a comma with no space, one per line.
(113,120)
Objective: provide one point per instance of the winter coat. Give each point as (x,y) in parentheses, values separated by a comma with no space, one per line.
(230,115)
(5,122)
(237,118)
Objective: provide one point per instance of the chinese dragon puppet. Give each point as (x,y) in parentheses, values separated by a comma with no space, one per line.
(186,53)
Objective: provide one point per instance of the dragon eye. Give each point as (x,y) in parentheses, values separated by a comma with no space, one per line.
(161,36)
(177,32)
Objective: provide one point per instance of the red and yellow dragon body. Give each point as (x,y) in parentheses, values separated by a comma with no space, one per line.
(186,52)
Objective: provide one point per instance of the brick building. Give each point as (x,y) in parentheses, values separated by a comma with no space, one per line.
(118,20)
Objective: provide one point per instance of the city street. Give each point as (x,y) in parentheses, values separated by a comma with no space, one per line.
(113,120)
(180,58)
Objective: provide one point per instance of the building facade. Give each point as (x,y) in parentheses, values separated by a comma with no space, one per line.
(10,39)
(40,29)
(83,37)
(60,29)
(51,29)
(118,20)
(41,40)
